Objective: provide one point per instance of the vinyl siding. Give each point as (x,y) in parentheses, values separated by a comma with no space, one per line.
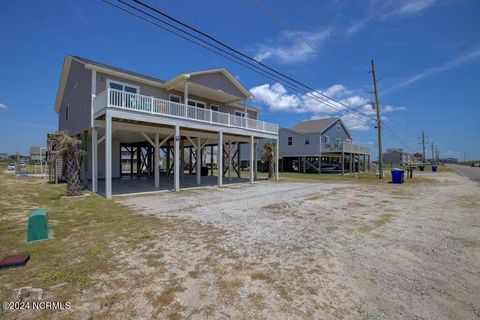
(335,134)
(78,98)
(217,81)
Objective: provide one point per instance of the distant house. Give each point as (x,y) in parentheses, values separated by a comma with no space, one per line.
(3,155)
(322,145)
(397,157)
(38,154)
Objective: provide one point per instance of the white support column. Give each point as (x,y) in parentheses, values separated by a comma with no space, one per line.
(255,164)
(108,155)
(277,155)
(185,92)
(94,94)
(199,162)
(229,161)
(220,158)
(94,159)
(156,161)
(177,158)
(252,159)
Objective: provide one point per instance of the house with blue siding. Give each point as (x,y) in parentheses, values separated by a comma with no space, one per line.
(316,146)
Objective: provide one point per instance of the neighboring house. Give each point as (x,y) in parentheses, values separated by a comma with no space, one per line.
(308,141)
(38,155)
(3,155)
(398,157)
(119,113)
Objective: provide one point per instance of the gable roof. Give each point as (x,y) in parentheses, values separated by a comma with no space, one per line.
(318,125)
(314,126)
(109,69)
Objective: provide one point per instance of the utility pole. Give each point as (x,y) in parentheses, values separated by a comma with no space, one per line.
(379,123)
(465,156)
(433,153)
(424,140)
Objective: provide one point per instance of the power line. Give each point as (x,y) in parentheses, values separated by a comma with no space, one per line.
(284,24)
(263,69)
(249,59)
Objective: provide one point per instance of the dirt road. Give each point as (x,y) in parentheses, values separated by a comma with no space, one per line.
(308,251)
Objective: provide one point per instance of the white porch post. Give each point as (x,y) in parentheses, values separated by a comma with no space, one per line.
(220,158)
(229,161)
(252,159)
(108,155)
(177,158)
(156,161)
(185,92)
(276,159)
(199,162)
(94,158)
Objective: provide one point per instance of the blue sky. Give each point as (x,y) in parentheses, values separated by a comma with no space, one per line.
(427,54)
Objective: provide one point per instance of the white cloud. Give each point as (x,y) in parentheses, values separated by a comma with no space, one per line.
(381,10)
(278,99)
(292,47)
(3,106)
(466,58)
(414,6)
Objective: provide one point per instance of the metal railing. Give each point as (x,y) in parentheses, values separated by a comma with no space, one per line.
(131,101)
(345,146)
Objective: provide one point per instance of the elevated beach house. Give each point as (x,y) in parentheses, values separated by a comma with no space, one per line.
(145,134)
(322,145)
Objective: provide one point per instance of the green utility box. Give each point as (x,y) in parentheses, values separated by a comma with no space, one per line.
(38,225)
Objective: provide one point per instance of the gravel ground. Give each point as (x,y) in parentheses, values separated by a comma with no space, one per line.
(308,250)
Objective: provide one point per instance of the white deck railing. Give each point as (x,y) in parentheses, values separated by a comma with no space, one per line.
(125,100)
(345,146)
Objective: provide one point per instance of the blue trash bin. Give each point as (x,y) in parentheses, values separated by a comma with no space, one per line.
(397,175)
(434,168)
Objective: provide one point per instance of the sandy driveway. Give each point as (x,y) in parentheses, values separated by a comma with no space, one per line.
(311,250)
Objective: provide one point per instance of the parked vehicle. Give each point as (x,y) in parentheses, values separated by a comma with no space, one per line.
(11,166)
(476,164)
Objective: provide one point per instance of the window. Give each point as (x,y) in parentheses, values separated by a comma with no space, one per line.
(326,139)
(307,140)
(338,126)
(67,107)
(123,87)
(214,107)
(240,113)
(175,98)
(290,141)
(197,104)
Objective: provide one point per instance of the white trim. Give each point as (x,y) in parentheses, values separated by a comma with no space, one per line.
(197,101)
(244,115)
(123,84)
(174,95)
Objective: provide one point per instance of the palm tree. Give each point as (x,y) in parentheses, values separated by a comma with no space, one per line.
(268,156)
(70,150)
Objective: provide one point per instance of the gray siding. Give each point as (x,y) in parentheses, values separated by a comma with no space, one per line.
(78,98)
(298,146)
(335,134)
(218,81)
(145,89)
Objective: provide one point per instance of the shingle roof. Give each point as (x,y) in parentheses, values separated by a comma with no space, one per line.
(107,66)
(314,126)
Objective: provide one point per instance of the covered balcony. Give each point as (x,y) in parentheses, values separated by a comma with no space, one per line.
(111,98)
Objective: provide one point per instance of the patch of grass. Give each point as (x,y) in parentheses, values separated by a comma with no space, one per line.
(86,234)
(371,227)
(468,202)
